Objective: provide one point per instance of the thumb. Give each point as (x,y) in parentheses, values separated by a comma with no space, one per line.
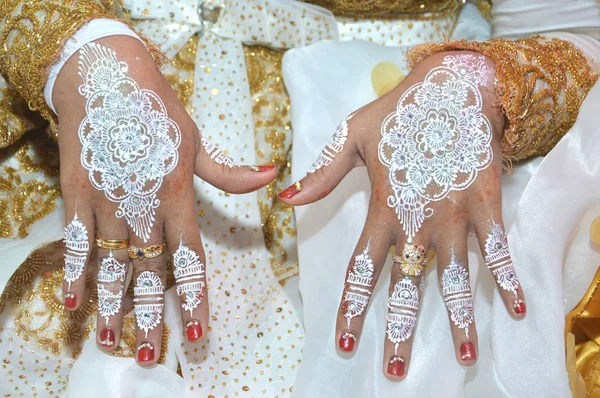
(335,161)
(221,171)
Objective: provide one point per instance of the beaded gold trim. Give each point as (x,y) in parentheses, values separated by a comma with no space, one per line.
(540,84)
(385,9)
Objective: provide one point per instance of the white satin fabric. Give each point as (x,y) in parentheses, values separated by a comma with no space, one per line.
(548,206)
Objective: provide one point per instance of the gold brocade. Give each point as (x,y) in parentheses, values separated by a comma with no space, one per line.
(584,323)
(389,8)
(12,125)
(272,129)
(540,84)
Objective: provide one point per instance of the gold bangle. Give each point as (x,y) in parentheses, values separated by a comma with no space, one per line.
(112,244)
(140,253)
(413,260)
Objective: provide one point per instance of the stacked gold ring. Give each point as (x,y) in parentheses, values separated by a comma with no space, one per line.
(412,261)
(139,253)
(112,244)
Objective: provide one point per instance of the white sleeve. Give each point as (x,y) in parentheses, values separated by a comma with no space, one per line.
(94,30)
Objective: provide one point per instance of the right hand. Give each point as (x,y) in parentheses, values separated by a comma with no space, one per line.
(128,155)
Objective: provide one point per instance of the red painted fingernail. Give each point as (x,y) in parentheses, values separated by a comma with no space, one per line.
(145,352)
(291,191)
(70,300)
(107,337)
(347,342)
(193,330)
(263,168)
(467,352)
(396,366)
(520,307)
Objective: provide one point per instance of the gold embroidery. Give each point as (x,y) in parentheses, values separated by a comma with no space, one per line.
(273,146)
(540,84)
(12,125)
(389,8)
(127,345)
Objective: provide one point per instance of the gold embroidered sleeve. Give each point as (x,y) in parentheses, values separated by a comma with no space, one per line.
(540,83)
(32,35)
(388,8)
(12,124)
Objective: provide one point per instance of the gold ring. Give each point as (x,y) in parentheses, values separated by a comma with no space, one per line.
(412,261)
(112,244)
(146,252)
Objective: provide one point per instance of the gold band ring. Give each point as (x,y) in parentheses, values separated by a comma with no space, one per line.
(140,253)
(112,244)
(412,261)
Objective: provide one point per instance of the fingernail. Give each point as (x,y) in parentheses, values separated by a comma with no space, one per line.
(291,191)
(519,306)
(467,352)
(396,366)
(70,300)
(145,352)
(347,342)
(107,337)
(263,168)
(193,330)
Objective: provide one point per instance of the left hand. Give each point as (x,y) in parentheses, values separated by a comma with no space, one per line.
(432,150)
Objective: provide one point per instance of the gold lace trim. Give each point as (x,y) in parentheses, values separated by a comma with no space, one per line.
(540,84)
(389,8)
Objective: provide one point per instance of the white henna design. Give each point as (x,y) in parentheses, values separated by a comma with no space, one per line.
(77,245)
(110,271)
(149,288)
(109,303)
(216,154)
(403,306)
(360,279)
(129,144)
(189,269)
(497,258)
(456,289)
(334,146)
(436,141)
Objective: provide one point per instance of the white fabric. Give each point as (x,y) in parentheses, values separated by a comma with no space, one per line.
(94,30)
(548,205)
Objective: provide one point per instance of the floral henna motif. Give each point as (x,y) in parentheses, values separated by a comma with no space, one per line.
(437,139)
(403,306)
(334,147)
(360,279)
(498,259)
(129,144)
(189,274)
(457,295)
(111,271)
(149,290)
(77,245)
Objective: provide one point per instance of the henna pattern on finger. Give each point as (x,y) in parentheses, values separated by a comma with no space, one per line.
(498,259)
(437,139)
(216,154)
(457,294)
(149,291)
(77,245)
(360,279)
(111,271)
(334,146)
(403,306)
(189,274)
(129,143)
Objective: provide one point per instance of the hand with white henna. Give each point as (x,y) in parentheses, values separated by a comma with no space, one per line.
(128,155)
(432,150)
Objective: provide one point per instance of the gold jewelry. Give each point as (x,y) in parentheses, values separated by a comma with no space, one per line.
(140,253)
(413,260)
(112,244)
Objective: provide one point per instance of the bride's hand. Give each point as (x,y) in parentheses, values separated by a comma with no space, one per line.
(128,155)
(432,150)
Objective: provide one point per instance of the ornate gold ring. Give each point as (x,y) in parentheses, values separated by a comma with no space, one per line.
(140,253)
(112,244)
(412,261)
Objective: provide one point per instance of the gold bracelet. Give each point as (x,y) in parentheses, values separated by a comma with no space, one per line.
(112,244)
(140,253)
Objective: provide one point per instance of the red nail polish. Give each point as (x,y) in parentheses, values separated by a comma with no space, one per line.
(347,342)
(145,352)
(193,330)
(520,307)
(107,337)
(291,191)
(70,300)
(396,366)
(467,352)
(263,168)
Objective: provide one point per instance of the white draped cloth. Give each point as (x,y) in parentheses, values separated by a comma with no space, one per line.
(548,205)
